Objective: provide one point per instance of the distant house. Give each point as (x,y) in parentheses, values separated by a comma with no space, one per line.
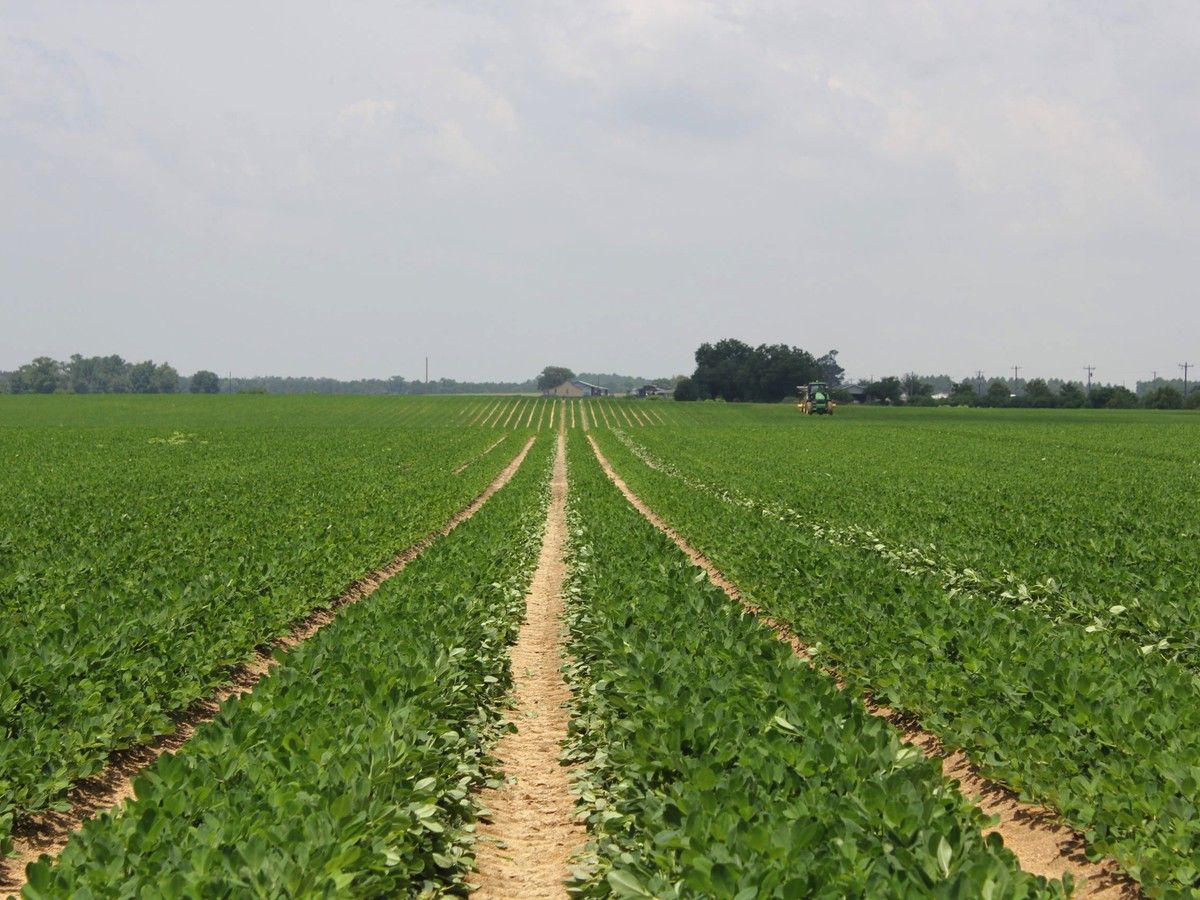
(858,393)
(651,390)
(576,388)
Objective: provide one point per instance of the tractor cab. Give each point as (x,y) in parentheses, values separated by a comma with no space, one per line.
(815,399)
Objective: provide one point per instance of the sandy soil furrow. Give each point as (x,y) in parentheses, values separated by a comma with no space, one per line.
(512,412)
(525,848)
(483,408)
(541,413)
(47,833)
(532,410)
(487,414)
(583,417)
(1042,843)
(604,412)
(572,415)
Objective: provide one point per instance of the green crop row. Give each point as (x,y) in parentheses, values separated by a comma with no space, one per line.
(714,762)
(1137,622)
(1093,521)
(351,771)
(1080,720)
(139,565)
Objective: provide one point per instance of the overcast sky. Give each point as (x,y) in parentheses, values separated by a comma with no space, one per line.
(342,188)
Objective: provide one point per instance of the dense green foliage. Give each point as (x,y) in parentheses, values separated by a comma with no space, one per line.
(1022,581)
(894,544)
(140,563)
(93,375)
(351,770)
(733,370)
(1073,513)
(715,763)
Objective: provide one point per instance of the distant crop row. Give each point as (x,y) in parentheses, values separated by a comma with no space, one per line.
(353,769)
(715,763)
(139,565)
(1084,719)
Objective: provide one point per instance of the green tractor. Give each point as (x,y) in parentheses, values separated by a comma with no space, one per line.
(815,399)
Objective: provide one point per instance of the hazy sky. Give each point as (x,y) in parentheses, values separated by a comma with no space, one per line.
(342,188)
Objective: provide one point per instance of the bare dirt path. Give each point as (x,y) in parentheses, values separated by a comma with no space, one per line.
(1042,843)
(583,417)
(47,833)
(524,850)
(604,412)
(532,410)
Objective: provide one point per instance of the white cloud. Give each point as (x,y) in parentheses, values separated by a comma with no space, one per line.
(452,146)
(366,112)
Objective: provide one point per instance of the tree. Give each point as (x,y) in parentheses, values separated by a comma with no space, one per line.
(205,382)
(917,389)
(1038,393)
(775,371)
(997,394)
(721,369)
(1118,397)
(886,390)
(685,389)
(1164,397)
(553,376)
(831,372)
(141,377)
(165,380)
(1071,395)
(42,376)
(733,370)
(963,394)
(1192,400)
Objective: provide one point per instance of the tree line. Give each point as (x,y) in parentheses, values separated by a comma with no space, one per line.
(103,375)
(1039,394)
(732,370)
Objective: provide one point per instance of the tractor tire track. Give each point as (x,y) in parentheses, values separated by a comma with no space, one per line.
(1042,843)
(525,848)
(47,833)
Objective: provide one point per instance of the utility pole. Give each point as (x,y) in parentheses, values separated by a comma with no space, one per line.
(1090,370)
(1016,377)
(1185,367)
(427,374)
(979,382)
